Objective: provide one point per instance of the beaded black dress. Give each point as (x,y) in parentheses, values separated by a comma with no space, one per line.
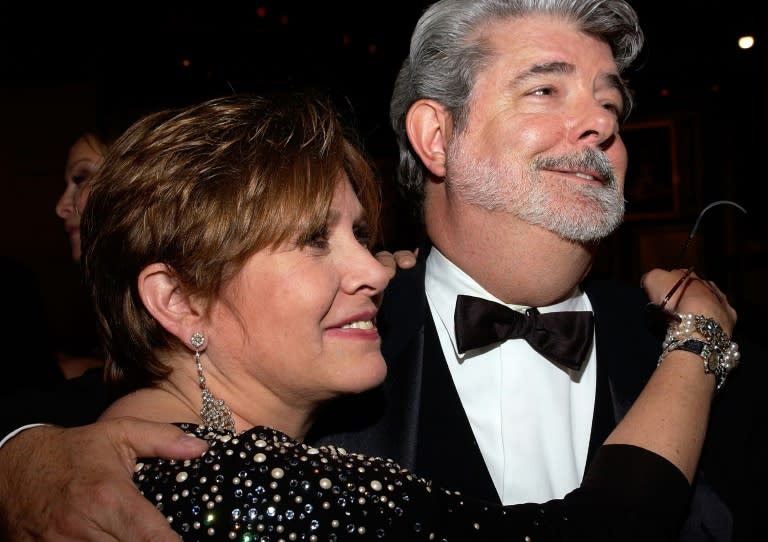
(261,485)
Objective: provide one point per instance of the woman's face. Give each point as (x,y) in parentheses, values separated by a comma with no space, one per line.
(299,322)
(85,157)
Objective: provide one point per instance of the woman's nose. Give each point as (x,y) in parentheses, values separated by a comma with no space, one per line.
(66,204)
(366,273)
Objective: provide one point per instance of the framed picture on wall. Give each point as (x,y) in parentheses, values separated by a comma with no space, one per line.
(652,186)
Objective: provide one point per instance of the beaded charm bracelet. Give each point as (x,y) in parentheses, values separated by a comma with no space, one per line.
(704,337)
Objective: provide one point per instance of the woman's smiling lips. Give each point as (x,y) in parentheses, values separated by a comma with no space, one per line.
(360,325)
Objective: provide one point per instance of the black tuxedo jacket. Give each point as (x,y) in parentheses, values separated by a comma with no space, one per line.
(416,416)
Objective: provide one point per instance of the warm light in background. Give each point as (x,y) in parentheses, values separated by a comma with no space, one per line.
(746,42)
(261,11)
(186,63)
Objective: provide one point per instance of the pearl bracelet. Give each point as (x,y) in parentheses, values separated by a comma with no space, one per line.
(704,337)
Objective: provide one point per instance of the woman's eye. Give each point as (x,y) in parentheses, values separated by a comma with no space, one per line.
(80,179)
(363,235)
(319,239)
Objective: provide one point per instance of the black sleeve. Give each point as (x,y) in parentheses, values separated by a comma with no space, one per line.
(628,494)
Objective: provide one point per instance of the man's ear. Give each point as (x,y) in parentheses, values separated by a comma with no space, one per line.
(179,313)
(427,124)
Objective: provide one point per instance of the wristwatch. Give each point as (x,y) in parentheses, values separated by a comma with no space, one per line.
(704,337)
(700,348)
(715,360)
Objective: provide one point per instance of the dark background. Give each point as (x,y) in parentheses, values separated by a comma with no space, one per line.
(65,68)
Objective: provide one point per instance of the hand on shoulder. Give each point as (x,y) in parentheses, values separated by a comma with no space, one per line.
(92,468)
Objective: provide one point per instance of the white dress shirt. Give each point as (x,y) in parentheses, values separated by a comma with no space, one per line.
(532,418)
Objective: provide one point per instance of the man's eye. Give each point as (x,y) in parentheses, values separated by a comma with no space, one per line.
(543,91)
(613,108)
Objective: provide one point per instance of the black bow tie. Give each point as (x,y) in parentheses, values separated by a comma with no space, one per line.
(561,337)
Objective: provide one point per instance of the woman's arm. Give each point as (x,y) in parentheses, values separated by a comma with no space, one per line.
(638,486)
(670,416)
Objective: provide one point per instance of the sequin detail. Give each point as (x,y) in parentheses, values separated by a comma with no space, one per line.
(263,486)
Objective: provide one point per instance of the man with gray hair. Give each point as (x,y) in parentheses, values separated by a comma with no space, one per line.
(507,116)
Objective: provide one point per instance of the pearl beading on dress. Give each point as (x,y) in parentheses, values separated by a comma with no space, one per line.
(263,486)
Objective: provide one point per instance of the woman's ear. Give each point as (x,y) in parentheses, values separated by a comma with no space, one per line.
(427,124)
(178,312)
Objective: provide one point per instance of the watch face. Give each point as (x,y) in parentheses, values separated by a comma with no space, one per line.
(710,357)
(712,361)
(708,354)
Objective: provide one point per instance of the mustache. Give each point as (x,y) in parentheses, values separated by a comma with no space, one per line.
(588,159)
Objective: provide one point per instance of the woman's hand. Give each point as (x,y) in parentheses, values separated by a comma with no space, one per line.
(694,295)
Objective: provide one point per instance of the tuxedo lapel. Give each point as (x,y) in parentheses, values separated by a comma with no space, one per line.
(626,351)
(603,415)
(447,450)
(627,347)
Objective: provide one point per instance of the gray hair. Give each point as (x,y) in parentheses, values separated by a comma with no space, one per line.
(445,58)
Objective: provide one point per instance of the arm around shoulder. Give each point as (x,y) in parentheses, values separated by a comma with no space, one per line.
(75,484)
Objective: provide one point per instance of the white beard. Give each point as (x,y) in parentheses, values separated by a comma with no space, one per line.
(574,211)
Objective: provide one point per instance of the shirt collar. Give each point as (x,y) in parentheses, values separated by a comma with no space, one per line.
(444,280)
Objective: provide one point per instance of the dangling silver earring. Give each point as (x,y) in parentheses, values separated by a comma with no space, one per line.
(215,413)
